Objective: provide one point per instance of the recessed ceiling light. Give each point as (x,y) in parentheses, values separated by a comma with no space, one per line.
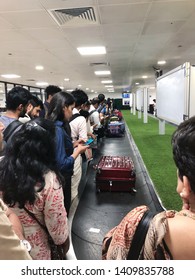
(161,62)
(91,50)
(66,79)
(105,72)
(42,84)
(106,82)
(137,83)
(79,85)
(10,76)
(144,77)
(39,67)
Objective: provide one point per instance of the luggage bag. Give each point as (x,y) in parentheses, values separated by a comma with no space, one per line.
(115,128)
(115,174)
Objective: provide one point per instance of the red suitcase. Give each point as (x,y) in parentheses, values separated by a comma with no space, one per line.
(115,173)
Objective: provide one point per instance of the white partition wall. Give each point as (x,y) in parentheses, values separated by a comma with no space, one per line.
(139,99)
(175,94)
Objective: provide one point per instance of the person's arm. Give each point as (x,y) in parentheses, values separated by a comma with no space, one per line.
(82,128)
(2,127)
(64,162)
(11,234)
(16,224)
(55,213)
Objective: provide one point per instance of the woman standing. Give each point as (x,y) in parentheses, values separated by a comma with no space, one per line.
(60,112)
(28,179)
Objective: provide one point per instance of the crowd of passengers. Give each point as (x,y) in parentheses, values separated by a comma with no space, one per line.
(41,168)
(41,165)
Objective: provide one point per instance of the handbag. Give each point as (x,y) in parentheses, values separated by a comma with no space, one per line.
(57,251)
(140,236)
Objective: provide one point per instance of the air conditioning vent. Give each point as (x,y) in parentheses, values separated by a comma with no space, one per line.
(75,16)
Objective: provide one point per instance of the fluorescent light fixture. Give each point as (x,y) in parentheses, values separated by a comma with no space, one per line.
(144,77)
(87,88)
(137,83)
(105,72)
(42,84)
(39,67)
(161,62)
(66,79)
(10,76)
(109,86)
(106,82)
(69,90)
(91,50)
(79,85)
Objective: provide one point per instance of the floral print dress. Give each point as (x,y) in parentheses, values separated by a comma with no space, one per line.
(49,210)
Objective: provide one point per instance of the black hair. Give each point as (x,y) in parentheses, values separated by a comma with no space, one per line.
(84,113)
(51,90)
(95,100)
(35,102)
(28,157)
(183,145)
(56,106)
(80,97)
(16,96)
(101,97)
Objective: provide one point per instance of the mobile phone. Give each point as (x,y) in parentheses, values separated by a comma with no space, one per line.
(89,141)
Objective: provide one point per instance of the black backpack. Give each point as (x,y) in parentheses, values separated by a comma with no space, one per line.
(9,131)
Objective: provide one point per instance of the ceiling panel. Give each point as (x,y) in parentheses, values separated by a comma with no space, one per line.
(136,34)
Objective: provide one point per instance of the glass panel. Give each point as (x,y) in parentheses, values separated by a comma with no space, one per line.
(2,97)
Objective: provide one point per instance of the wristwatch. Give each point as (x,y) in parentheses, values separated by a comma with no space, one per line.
(26,244)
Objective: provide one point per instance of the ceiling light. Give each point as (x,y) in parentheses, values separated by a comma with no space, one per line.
(10,76)
(137,83)
(144,77)
(105,72)
(161,62)
(42,84)
(106,82)
(109,86)
(39,67)
(91,50)
(66,79)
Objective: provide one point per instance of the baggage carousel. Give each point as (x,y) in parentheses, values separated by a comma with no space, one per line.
(93,214)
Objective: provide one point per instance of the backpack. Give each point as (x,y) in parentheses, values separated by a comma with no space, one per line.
(11,129)
(74,116)
(121,242)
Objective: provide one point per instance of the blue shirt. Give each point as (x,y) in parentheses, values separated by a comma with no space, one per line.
(64,149)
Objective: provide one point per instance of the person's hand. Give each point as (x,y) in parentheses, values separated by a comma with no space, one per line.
(93,136)
(82,148)
(80,141)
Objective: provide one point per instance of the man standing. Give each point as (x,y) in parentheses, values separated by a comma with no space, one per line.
(34,107)
(78,126)
(16,104)
(49,92)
